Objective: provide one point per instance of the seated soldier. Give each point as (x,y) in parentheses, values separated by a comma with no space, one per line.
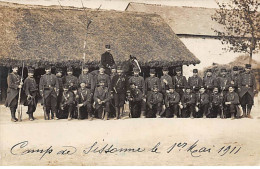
(102,100)
(188,102)
(67,103)
(202,103)
(135,96)
(172,100)
(216,104)
(231,103)
(154,103)
(84,98)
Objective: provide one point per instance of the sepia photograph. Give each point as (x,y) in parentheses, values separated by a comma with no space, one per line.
(129,82)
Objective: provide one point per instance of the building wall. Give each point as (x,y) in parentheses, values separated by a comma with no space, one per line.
(208,51)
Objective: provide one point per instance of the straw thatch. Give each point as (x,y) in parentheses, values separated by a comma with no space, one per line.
(40,36)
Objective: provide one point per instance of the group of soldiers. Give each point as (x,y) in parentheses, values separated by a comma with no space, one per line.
(103,93)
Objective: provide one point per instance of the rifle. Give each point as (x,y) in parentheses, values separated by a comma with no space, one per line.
(19,98)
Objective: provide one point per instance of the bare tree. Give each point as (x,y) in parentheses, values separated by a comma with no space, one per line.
(241,23)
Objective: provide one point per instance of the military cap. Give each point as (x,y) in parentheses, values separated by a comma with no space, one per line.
(70,69)
(58,70)
(119,67)
(223,70)
(202,87)
(152,71)
(135,69)
(171,86)
(178,69)
(47,67)
(235,68)
(101,66)
(188,87)
(30,70)
(155,86)
(107,47)
(231,86)
(131,83)
(66,86)
(209,70)
(248,66)
(15,67)
(85,66)
(165,69)
(195,70)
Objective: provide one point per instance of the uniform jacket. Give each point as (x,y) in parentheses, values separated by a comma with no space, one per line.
(48,84)
(30,87)
(188,98)
(101,93)
(119,84)
(154,98)
(85,96)
(67,98)
(179,82)
(165,86)
(89,80)
(195,82)
(247,83)
(13,81)
(234,80)
(209,82)
(216,99)
(232,97)
(150,82)
(72,81)
(104,77)
(223,82)
(61,82)
(138,81)
(203,99)
(107,59)
(172,98)
(136,94)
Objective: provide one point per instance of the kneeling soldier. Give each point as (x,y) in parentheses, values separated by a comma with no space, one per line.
(202,103)
(135,101)
(30,88)
(84,99)
(172,100)
(216,104)
(188,102)
(67,101)
(102,100)
(231,103)
(154,103)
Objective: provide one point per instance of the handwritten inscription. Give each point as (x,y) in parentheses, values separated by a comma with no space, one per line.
(194,149)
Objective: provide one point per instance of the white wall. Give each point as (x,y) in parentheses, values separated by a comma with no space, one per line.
(209,51)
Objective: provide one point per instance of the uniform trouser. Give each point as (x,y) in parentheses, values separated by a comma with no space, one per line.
(99,110)
(203,110)
(187,111)
(51,104)
(112,108)
(59,101)
(180,92)
(135,108)
(172,110)
(31,109)
(68,110)
(151,113)
(85,111)
(247,100)
(214,111)
(13,105)
(229,110)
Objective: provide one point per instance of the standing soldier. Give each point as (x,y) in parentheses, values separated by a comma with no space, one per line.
(31,89)
(118,88)
(154,102)
(151,81)
(14,85)
(101,76)
(172,100)
(235,78)
(247,90)
(71,80)
(49,88)
(102,100)
(166,81)
(112,101)
(88,79)
(195,82)
(188,102)
(216,104)
(107,60)
(202,103)
(209,81)
(179,82)
(67,102)
(135,101)
(223,81)
(138,81)
(85,101)
(231,103)
(61,82)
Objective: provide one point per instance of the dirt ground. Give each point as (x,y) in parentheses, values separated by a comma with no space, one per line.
(197,141)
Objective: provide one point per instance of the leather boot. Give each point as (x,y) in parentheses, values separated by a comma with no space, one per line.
(105,117)
(13,119)
(30,117)
(142,114)
(248,113)
(244,112)
(117,113)
(69,116)
(90,118)
(120,112)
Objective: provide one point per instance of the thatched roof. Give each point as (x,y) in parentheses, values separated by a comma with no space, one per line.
(182,20)
(51,35)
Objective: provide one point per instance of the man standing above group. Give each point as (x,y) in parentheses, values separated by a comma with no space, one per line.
(107,60)
(247,90)
(49,89)
(14,85)
(195,82)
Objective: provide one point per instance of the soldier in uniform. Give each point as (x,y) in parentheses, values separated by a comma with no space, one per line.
(151,81)
(231,103)
(31,91)
(223,81)
(247,90)
(84,100)
(14,85)
(107,60)
(179,82)
(88,79)
(71,80)
(195,82)
(101,76)
(166,81)
(135,101)
(234,79)
(112,101)
(172,99)
(154,103)
(140,84)
(61,82)
(188,102)
(202,103)
(216,103)
(102,100)
(209,81)
(49,89)
(67,102)
(118,89)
